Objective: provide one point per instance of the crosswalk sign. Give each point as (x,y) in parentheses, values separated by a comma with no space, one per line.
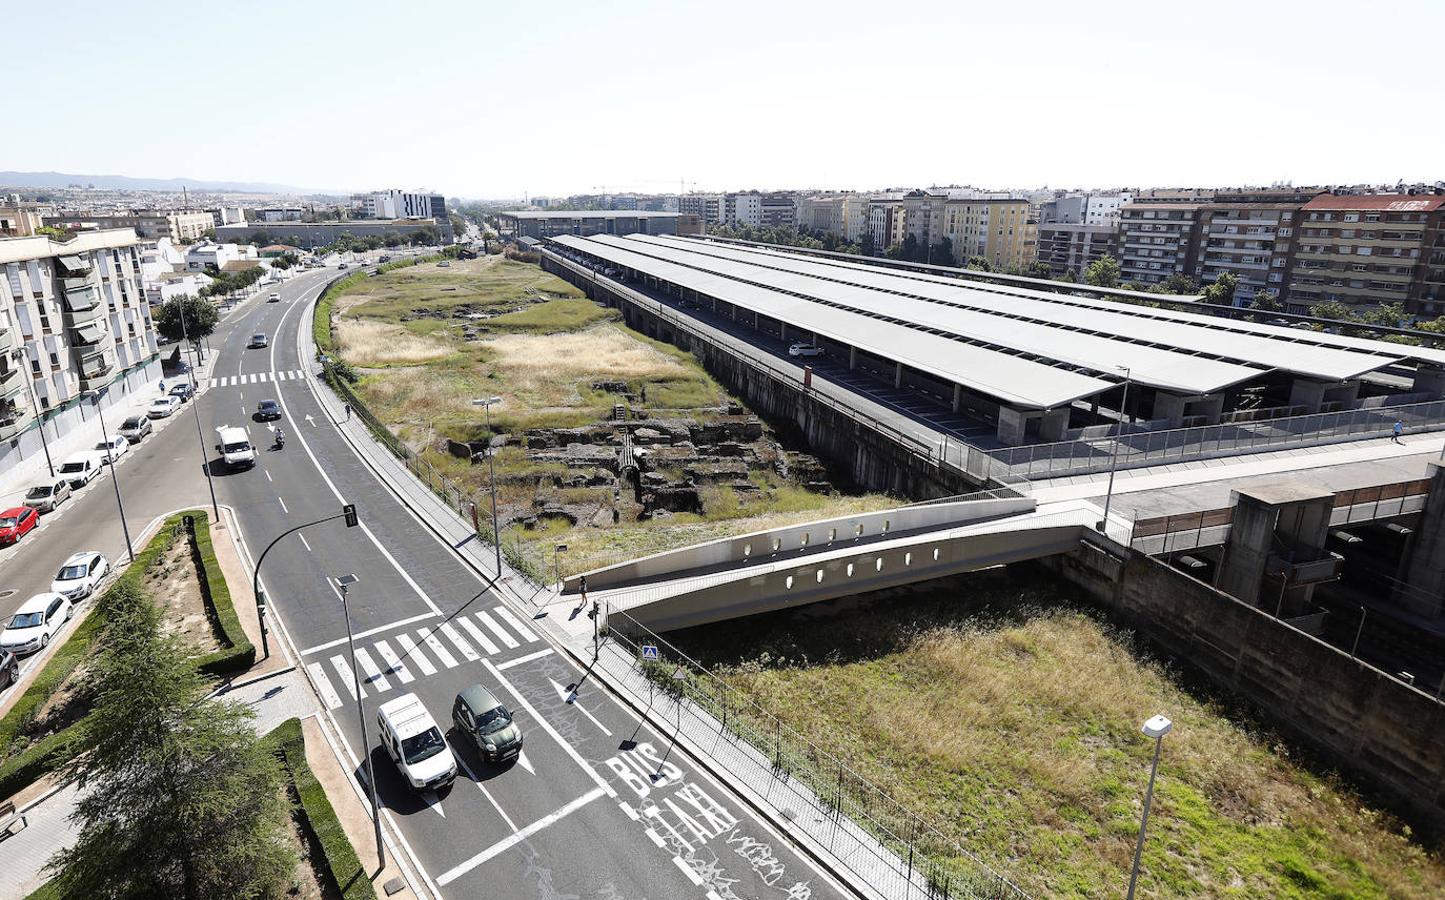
(649,651)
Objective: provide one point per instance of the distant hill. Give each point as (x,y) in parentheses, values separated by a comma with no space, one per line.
(127,183)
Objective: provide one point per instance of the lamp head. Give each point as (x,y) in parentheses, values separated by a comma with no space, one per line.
(1157,727)
(346,581)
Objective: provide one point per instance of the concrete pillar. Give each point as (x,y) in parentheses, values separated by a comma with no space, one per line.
(1012,424)
(1276,528)
(957,396)
(898,375)
(1307,393)
(755,321)
(1055,424)
(1345,392)
(1170,406)
(852,358)
(1429,380)
(1211,407)
(782,330)
(1421,569)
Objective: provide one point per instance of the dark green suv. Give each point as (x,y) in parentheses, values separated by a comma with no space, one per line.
(487,724)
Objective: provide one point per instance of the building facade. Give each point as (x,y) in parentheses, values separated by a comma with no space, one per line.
(551,223)
(706,207)
(1158,235)
(73,319)
(1367,250)
(1252,235)
(779,211)
(398,204)
(307,235)
(182,227)
(997,229)
(742,209)
(1073,247)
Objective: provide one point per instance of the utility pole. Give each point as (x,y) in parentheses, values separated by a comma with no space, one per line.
(114,479)
(22,353)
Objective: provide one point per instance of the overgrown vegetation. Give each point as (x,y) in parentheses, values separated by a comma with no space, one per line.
(1009,720)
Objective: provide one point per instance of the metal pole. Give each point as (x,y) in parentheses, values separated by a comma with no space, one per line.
(1358,631)
(1144,821)
(114,479)
(256,578)
(22,352)
(1114,456)
(200,435)
(365,741)
(492,483)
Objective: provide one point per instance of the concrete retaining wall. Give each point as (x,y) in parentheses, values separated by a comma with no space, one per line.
(1381,729)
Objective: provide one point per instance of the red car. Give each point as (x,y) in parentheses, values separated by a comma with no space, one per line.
(14,523)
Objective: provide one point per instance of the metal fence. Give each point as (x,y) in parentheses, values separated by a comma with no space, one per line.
(897,852)
(1203,442)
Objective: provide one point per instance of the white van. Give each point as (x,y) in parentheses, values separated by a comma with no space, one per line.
(415,743)
(235,447)
(81,468)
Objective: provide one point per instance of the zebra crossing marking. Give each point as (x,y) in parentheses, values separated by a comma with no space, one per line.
(255,378)
(347,678)
(496,629)
(455,637)
(374,678)
(394,665)
(323,685)
(516,623)
(436,647)
(477,636)
(408,646)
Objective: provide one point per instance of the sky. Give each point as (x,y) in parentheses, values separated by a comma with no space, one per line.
(480,99)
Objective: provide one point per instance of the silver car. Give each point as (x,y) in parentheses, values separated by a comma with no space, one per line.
(44,498)
(134,428)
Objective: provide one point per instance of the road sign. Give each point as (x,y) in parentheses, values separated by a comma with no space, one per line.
(649,651)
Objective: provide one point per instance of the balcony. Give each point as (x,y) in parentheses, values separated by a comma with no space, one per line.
(14,412)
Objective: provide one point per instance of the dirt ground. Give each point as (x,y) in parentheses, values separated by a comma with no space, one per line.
(173,583)
(308,882)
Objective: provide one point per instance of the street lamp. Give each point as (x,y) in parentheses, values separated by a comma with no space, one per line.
(492,476)
(196,412)
(341,584)
(1156,728)
(1114,456)
(114,478)
(22,353)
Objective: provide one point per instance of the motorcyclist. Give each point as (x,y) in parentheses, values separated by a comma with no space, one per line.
(280,438)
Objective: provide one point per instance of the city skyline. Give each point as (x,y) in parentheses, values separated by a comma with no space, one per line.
(663,98)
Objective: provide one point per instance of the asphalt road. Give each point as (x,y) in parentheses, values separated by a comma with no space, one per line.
(598,806)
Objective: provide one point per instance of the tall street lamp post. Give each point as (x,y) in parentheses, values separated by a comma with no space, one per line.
(492,476)
(1156,728)
(1114,457)
(340,585)
(196,412)
(21,354)
(114,478)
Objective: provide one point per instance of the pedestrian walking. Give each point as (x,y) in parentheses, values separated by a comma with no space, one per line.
(348,411)
(163,385)
(1395,432)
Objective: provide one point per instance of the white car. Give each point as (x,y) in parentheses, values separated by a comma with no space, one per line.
(274,298)
(162,407)
(35,623)
(113,449)
(80,575)
(81,468)
(801,349)
(415,743)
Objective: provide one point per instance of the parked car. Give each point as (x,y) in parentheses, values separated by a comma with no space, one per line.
(9,668)
(113,448)
(16,523)
(258,340)
(415,743)
(45,498)
(81,468)
(134,428)
(802,349)
(488,724)
(343,266)
(274,298)
(34,624)
(444,264)
(80,575)
(182,391)
(267,410)
(162,407)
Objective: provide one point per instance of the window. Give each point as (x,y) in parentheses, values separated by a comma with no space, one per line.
(1352,217)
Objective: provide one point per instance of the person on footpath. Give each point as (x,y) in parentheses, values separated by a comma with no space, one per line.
(1395,432)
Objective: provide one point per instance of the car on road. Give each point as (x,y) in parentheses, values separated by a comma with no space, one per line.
(35,623)
(267,410)
(16,523)
(80,575)
(444,264)
(343,266)
(162,407)
(44,498)
(113,448)
(274,298)
(802,349)
(235,447)
(9,668)
(81,468)
(258,340)
(182,391)
(415,743)
(134,428)
(488,724)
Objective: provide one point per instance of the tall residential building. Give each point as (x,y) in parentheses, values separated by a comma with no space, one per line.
(1073,247)
(1084,209)
(1432,281)
(742,209)
(1251,234)
(996,228)
(1366,249)
(1158,235)
(181,226)
(843,215)
(707,207)
(779,211)
(73,318)
(887,221)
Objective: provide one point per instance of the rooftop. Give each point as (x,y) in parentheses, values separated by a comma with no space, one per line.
(590,214)
(1387,202)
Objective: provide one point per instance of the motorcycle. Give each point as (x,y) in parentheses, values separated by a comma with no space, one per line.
(280,439)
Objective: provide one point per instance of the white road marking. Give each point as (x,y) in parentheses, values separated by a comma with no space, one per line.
(374,678)
(524,659)
(434,802)
(516,623)
(461,643)
(496,629)
(283,506)
(517,837)
(409,647)
(552,732)
(268,477)
(570,698)
(367,633)
(394,664)
(344,671)
(687,870)
(323,684)
(477,635)
(524,762)
(303,542)
(512,826)
(436,647)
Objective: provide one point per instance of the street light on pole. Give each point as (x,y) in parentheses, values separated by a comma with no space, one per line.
(196,412)
(22,353)
(1156,728)
(492,476)
(341,584)
(114,478)
(1114,456)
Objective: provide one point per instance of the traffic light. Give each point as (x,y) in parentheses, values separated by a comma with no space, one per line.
(349,513)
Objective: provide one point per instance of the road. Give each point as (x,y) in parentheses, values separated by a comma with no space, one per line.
(598,806)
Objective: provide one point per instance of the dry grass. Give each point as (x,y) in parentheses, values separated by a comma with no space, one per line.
(369,343)
(1016,733)
(605,351)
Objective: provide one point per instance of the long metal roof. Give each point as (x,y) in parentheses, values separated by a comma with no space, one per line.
(1009,377)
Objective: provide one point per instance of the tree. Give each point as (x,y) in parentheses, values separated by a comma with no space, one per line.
(1387,315)
(1103,272)
(979,264)
(941,253)
(182,799)
(200,317)
(1179,283)
(1038,269)
(261,237)
(1333,309)
(1222,290)
(1266,301)
(1436,326)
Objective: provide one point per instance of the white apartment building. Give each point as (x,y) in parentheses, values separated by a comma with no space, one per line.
(73,319)
(397,204)
(742,209)
(211,254)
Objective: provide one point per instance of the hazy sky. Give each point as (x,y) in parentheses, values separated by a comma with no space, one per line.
(484,99)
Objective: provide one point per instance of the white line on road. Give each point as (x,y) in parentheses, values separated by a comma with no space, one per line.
(570,698)
(477,635)
(687,870)
(347,677)
(408,647)
(367,633)
(524,659)
(516,623)
(430,639)
(496,629)
(374,678)
(303,542)
(461,643)
(268,477)
(486,793)
(517,837)
(323,684)
(394,665)
(552,732)
(283,506)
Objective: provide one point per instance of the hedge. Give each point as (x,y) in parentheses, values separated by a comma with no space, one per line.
(321,318)
(320,824)
(237,652)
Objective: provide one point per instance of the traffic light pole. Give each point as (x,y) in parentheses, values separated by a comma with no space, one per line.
(348,512)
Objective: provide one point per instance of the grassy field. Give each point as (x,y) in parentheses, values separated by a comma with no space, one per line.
(540,346)
(1010,720)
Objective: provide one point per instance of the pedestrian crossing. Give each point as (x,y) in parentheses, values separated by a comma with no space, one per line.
(404,656)
(256,378)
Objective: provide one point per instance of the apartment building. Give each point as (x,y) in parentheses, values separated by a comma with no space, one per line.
(1072,247)
(742,209)
(1368,249)
(1084,209)
(996,228)
(779,211)
(73,318)
(1158,235)
(19,221)
(1251,234)
(396,204)
(181,226)
(706,207)
(887,222)
(843,215)
(1432,280)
